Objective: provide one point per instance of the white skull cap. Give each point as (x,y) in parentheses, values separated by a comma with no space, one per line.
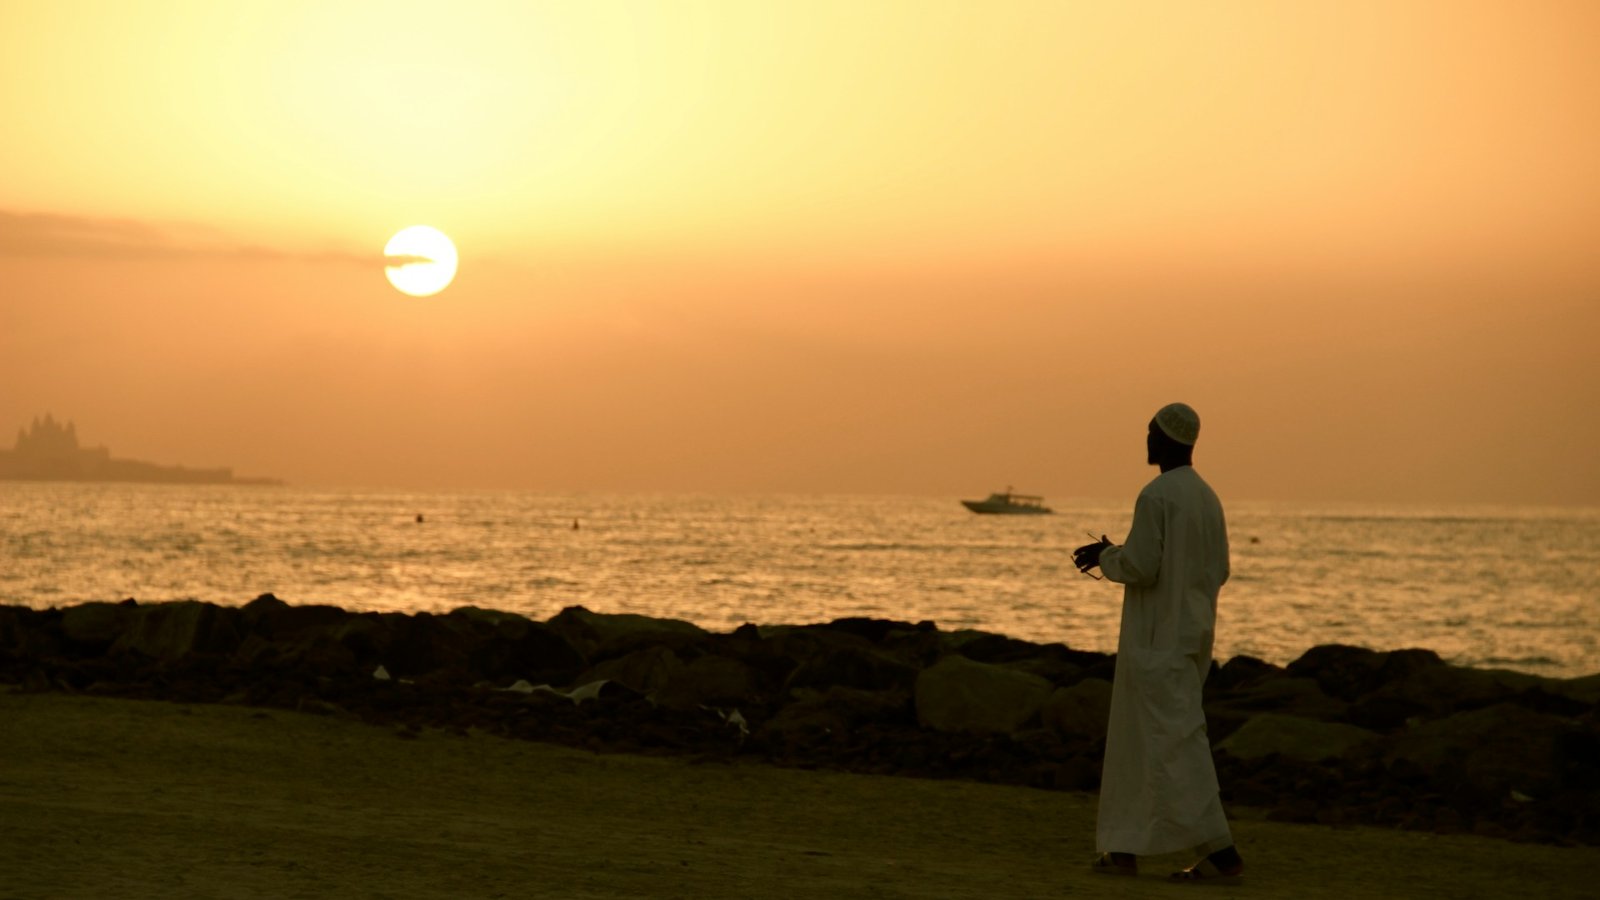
(1180,422)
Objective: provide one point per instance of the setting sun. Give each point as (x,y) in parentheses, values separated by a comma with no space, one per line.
(421,261)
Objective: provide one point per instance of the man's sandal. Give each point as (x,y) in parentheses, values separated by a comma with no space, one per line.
(1206,872)
(1105,864)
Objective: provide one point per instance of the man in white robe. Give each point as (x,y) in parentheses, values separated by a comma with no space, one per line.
(1158,786)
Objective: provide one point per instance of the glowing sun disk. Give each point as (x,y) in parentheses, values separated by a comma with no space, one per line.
(422,261)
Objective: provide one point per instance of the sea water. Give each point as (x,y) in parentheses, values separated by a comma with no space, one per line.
(1516,588)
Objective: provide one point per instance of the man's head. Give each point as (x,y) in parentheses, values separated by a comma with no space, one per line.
(1173,432)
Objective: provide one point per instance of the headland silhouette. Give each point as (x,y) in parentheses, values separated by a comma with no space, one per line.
(49,451)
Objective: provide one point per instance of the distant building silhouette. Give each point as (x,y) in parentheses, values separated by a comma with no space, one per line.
(49,451)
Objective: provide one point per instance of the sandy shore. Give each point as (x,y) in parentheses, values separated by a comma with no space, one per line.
(121,798)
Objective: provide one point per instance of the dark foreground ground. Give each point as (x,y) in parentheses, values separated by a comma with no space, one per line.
(1342,736)
(105,797)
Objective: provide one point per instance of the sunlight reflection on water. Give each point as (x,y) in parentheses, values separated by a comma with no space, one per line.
(1518,588)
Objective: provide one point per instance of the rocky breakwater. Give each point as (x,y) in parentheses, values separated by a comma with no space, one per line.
(1341,735)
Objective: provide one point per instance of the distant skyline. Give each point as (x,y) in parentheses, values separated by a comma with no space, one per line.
(888,247)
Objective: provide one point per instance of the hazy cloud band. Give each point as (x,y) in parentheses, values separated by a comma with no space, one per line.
(47,235)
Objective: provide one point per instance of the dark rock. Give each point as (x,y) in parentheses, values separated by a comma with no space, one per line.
(1443,689)
(1406,771)
(958,694)
(1585,689)
(311,652)
(1542,699)
(29,634)
(1384,712)
(451,647)
(603,635)
(261,607)
(765,658)
(1240,671)
(1342,671)
(648,671)
(919,649)
(15,623)
(1222,723)
(851,665)
(861,707)
(1500,748)
(1291,695)
(1052,666)
(369,637)
(417,644)
(540,654)
(273,619)
(1348,672)
(799,643)
(1401,664)
(1058,663)
(1081,710)
(710,681)
(1296,738)
(824,716)
(1104,668)
(1577,761)
(491,621)
(172,631)
(982,646)
(92,627)
(872,630)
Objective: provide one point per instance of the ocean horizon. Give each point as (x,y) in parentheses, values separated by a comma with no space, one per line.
(1486,586)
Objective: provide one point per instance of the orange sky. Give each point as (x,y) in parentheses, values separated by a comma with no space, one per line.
(891,247)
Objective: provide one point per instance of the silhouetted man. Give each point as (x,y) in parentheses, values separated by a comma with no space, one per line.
(1158,786)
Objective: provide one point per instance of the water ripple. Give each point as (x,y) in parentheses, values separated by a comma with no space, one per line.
(1510,587)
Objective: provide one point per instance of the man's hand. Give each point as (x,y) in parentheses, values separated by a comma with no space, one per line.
(1088,556)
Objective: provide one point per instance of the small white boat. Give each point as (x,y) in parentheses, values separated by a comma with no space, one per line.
(1009,504)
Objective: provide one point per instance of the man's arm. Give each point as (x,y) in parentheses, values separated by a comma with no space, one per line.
(1138,561)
